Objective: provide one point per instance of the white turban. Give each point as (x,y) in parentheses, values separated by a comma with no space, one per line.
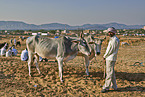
(112,29)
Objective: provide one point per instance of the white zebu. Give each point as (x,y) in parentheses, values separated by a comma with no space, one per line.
(95,48)
(124,44)
(63,49)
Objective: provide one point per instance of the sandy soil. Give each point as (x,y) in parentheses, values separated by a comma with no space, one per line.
(15,81)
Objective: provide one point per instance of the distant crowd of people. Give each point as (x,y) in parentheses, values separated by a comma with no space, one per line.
(12,51)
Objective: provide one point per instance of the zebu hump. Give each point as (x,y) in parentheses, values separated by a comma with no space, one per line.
(30,43)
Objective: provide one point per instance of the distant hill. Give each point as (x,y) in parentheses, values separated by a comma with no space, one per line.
(18,25)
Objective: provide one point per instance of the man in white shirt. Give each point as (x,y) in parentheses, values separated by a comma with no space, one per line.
(14,51)
(110,57)
(3,51)
(24,55)
(9,52)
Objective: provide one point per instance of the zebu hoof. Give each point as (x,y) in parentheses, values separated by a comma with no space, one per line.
(42,75)
(39,72)
(62,81)
(88,74)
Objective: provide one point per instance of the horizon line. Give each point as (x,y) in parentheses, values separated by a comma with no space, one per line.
(66,23)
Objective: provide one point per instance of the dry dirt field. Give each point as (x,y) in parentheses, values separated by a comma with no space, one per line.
(15,81)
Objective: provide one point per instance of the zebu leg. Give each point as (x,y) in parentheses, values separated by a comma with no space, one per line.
(87,62)
(30,61)
(36,62)
(60,66)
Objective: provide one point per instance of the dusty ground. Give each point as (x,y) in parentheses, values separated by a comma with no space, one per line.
(14,79)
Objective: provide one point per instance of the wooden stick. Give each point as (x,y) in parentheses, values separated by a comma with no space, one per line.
(104,69)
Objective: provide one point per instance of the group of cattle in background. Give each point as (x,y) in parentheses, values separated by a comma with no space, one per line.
(15,42)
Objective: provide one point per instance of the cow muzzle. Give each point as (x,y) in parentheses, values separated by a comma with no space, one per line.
(88,54)
(98,53)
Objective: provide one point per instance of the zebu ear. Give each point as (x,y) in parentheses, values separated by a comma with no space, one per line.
(91,42)
(75,41)
(102,39)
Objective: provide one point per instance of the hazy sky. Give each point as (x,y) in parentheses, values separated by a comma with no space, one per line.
(73,12)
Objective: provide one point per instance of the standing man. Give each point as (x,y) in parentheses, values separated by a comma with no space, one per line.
(14,41)
(11,42)
(110,57)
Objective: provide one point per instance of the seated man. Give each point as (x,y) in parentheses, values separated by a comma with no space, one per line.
(9,52)
(24,55)
(3,51)
(14,51)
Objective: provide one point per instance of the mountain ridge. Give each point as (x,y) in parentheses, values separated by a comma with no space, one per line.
(19,25)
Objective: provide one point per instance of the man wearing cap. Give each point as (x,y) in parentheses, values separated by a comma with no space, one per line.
(110,57)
